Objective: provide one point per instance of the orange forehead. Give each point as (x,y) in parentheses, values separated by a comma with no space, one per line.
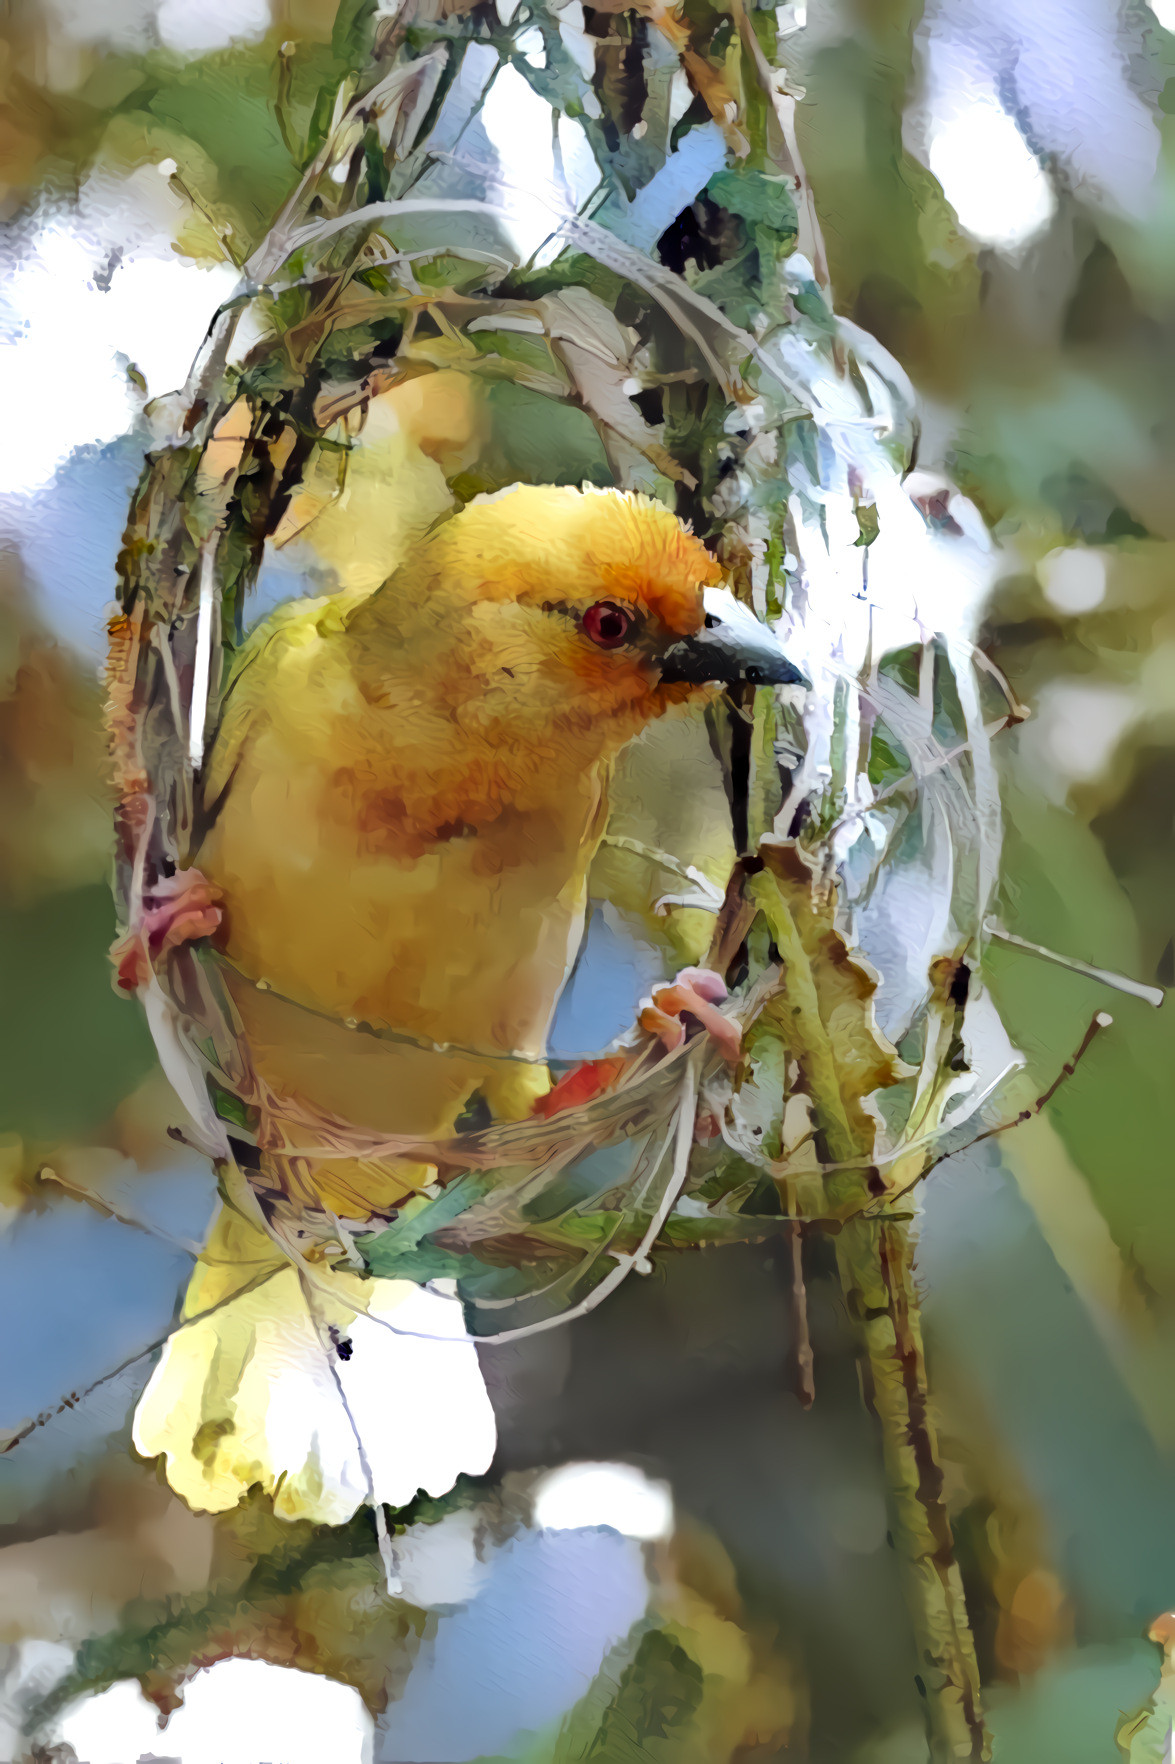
(538,543)
(665,572)
(641,554)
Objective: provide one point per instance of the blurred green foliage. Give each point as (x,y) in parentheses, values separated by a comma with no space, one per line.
(55,979)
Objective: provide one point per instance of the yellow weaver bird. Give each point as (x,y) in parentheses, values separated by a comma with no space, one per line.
(406,790)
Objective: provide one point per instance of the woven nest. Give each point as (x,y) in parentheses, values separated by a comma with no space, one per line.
(783,436)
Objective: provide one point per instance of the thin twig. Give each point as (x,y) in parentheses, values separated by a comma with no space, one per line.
(122,1214)
(77,1396)
(1102,1020)
(1151,995)
(802,1356)
(664,860)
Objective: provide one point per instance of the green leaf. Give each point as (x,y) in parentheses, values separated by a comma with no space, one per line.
(421,1215)
(639,1714)
(70,1049)
(224,103)
(756,197)
(354,29)
(868,523)
(229,1107)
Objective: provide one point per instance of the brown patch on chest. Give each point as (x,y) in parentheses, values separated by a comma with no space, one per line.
(388,823)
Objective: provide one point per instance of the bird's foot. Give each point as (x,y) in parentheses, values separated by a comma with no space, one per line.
(696,993)
(179,909)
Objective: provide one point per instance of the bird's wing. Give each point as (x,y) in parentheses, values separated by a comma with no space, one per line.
(252,672)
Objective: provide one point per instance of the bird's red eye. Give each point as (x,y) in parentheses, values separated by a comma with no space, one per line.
(607,624)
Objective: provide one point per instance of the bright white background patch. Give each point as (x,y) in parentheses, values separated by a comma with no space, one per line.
(577,1496)
(440,1563)
(237,1712)
(990,176)
(1062,69)
(197,29)
(188,27)
(73,318)
(518,124)
(1073,578)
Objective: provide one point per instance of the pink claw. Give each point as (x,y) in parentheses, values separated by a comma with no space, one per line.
(695,992)
(180,909)
(705,982)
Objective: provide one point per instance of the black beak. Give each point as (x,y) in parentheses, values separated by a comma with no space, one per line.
(731,649)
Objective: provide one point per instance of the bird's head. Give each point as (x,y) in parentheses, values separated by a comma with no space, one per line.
(594,608)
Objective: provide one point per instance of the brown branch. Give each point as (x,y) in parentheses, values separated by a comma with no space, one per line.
(803,1360)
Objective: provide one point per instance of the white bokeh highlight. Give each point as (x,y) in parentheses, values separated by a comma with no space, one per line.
(578,1496)
(1075,729)
(989,175)
(1062,69)
(1073,579)
(198,29)
(443,1562)
(186,27)
(236,1712)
